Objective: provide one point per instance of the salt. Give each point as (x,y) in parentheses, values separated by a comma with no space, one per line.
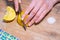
(51,20)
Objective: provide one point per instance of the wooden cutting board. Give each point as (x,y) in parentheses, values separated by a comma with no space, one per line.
(41,31)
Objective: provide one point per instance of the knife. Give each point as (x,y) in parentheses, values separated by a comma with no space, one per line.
(11,4)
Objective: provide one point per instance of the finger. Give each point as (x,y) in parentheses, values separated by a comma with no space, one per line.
(31,22)
(34,11)
(16,5)
(45,11)
(10,0)
(29,9)
(43,14)
(38,14)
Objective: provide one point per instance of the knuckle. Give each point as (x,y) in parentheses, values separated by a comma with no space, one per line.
(37,16)
(46,5)
(34,12)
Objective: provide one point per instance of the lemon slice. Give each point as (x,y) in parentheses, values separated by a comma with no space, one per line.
(19,19)
(10,14)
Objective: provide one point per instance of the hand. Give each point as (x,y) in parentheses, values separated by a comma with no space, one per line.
(37,10)
(16,2)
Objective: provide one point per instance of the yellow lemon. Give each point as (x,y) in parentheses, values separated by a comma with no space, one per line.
(19,19)
(10,14)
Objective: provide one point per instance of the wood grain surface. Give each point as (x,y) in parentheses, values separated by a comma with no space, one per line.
(41,31)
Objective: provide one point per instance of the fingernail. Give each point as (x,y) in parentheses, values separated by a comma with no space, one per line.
(36,21)
(29,24)
(16,9)
(19,1)
(25,22)
(22,18)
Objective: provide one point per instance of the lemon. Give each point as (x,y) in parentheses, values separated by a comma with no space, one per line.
(10,14)
(19,19)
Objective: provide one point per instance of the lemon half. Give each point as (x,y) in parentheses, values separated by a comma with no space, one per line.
(10,14)
(19,19)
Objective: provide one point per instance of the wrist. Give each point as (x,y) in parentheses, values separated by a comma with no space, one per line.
(58,0)
(55,1)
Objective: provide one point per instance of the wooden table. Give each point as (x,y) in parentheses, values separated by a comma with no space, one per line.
(41,31)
